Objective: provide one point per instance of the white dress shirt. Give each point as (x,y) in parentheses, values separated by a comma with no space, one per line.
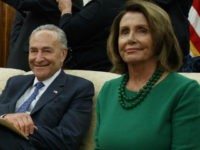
(30,90)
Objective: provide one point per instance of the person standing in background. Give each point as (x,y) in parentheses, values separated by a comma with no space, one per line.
(178,10)
(88,31)
(29,15)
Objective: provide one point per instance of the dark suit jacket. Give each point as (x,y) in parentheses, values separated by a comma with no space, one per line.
(87,32)
(31,14)
(178,11)
(62,114)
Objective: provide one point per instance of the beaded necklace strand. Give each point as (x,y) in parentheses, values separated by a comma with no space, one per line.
(130,102)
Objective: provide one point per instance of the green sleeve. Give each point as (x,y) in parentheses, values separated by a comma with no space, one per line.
(186,119)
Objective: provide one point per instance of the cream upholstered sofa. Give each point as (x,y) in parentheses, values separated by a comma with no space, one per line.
(98,78)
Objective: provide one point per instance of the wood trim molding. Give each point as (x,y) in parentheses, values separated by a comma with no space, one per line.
(6,14)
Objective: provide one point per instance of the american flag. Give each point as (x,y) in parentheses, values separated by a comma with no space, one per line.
(194,18)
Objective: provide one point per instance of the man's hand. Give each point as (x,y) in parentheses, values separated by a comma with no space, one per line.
(21,121)
(65,6)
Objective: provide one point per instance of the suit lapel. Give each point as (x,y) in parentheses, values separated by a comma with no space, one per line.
(54,89)
(24,85)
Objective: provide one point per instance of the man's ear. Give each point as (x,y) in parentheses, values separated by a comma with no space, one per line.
(64,54)
(69,55)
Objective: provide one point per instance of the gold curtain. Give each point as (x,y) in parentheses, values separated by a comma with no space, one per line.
(6,19)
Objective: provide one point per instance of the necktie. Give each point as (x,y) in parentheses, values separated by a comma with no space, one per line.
(27,103)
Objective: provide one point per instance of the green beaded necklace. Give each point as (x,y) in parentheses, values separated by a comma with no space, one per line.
(130,102)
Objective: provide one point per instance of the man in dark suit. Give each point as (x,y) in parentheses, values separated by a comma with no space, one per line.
(60,114)
(29,15)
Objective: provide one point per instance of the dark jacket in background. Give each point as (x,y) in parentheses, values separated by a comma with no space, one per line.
(87,32)
(178,11)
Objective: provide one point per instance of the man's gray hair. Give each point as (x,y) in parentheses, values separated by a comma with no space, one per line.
(61,34)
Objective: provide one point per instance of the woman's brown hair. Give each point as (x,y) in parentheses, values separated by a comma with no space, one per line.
(165,43)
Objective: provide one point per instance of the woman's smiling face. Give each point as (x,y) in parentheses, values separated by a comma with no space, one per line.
(135,39)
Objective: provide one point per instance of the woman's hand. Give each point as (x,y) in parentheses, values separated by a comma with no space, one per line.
(65,6)
(21,121)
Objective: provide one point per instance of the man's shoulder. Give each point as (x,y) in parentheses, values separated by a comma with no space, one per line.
(74,82)
(19,81)
(76,79)
(21,77)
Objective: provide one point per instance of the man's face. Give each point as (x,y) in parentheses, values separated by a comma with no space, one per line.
(45,54)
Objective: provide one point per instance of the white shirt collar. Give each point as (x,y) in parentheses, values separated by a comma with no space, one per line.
(48,81)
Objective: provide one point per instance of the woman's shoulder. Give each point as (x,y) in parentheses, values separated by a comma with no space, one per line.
(178,78)
(114,81)
(111,84)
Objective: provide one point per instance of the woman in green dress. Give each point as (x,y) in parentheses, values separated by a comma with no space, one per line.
(150,106)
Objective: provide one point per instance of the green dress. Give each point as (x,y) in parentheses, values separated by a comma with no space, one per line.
(167,119)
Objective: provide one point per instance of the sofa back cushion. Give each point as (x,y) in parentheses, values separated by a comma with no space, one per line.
(6,73)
